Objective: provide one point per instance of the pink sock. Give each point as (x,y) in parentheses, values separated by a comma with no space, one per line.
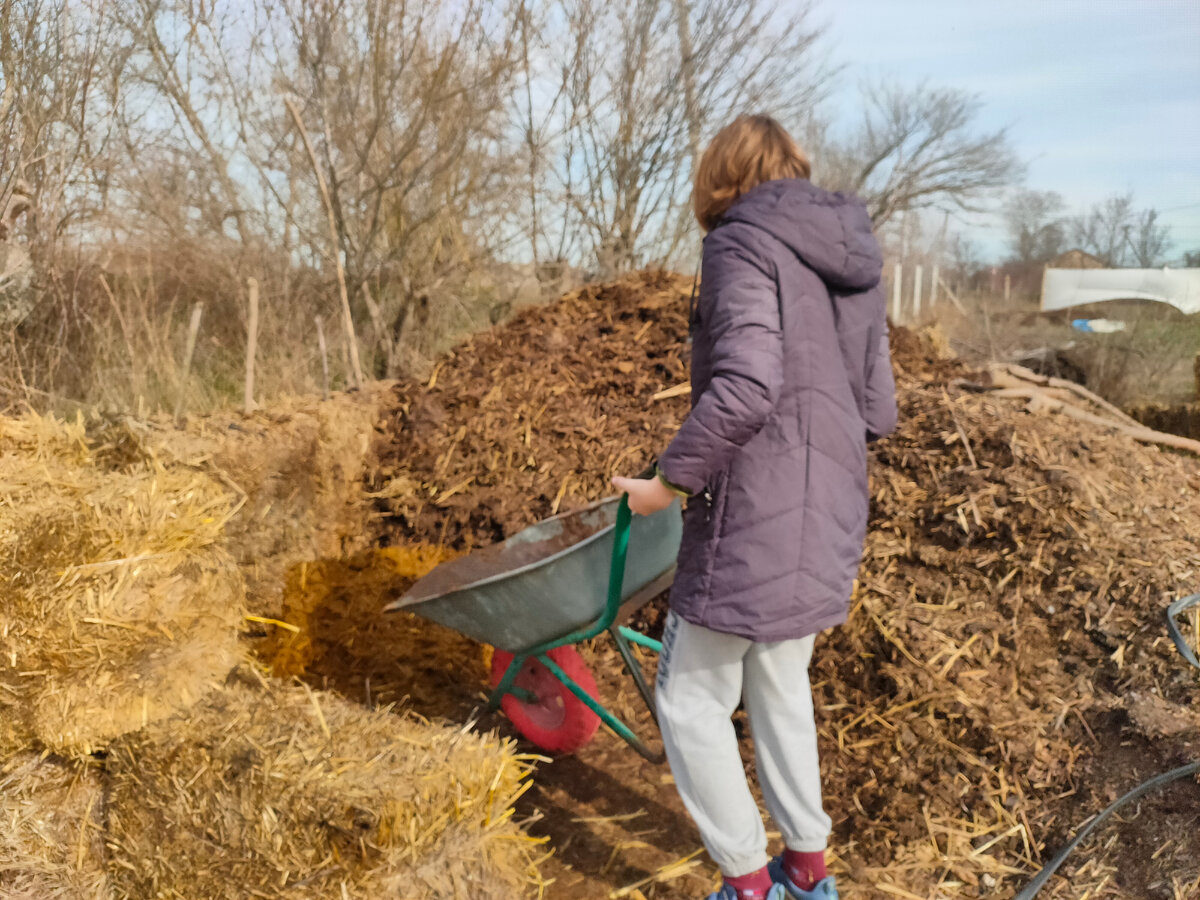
(804,869)
(751,887)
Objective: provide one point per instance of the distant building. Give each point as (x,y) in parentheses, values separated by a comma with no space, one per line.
(1076,259)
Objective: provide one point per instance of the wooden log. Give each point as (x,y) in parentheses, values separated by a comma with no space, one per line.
(1041,400)
(1023,374)
(953,296)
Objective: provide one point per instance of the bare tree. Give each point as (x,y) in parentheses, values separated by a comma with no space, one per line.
(641,83)
(1036,227)
(175,68)
(916,148)
(15,267)
(58,65)
(1121,235)
(965,261)
(1149,242)
(406,106)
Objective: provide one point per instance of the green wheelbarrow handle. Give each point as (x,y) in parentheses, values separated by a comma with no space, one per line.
(622,636)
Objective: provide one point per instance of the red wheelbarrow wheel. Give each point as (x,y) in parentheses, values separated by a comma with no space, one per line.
(557,721)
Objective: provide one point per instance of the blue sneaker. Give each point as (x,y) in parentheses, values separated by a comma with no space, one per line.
(825,889)
(729,892)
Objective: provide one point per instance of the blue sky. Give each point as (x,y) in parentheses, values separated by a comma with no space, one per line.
(1099,97)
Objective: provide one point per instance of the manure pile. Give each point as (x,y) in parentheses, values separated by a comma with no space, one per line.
(535,416)
(1005,671)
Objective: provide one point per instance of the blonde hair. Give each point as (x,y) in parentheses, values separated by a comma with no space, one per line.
(744,154)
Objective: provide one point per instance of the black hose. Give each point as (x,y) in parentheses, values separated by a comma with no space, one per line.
(1173,627)
(1145,787)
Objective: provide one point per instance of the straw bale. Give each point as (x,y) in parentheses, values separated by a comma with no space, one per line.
(118,606)
(51,843)
(301,466)
(270,790)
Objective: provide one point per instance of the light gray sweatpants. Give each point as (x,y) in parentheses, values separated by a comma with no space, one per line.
(701,676)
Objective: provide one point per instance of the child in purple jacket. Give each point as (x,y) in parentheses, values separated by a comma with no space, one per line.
(791,377)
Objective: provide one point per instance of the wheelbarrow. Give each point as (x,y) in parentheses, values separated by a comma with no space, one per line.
(533,597)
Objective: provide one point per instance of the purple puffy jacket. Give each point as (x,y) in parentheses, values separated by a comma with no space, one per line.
(791,376)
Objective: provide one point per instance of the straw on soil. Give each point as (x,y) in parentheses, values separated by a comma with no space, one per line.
(333,633)
(270,790)
(51,845)
(118,606)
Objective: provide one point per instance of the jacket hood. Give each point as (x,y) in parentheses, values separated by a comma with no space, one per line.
(829,232)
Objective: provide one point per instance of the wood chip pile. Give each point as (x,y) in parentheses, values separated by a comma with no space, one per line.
(535,416)
(1007,636)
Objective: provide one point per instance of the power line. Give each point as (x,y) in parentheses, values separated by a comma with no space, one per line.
(1178,208)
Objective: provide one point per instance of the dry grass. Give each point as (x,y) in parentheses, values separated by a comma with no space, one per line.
(1151,361)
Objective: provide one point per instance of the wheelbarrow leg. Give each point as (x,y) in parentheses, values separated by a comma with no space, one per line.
(618,727)
(506,685)
(634,668)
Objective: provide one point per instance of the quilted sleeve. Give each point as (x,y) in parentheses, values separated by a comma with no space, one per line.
(881,412)
(741,320)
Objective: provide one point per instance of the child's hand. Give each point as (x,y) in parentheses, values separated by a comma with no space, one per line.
(646,495)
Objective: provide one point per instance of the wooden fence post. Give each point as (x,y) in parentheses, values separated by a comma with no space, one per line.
(189,350)
(933,286)
(324,357)
(251,342)
(917,276)
(897,297)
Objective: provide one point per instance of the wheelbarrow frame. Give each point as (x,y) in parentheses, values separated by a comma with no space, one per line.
(621,635)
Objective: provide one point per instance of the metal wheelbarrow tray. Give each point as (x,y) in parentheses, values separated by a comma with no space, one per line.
(559,582)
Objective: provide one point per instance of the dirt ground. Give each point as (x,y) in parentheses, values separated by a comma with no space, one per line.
(615,822)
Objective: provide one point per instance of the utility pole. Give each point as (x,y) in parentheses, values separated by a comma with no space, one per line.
(687,67)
